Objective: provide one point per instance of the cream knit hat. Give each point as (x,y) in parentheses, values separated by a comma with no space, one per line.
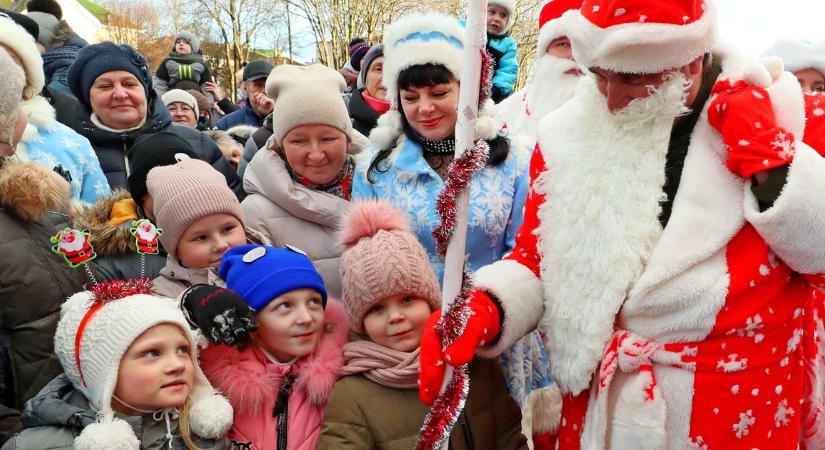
(307,95)
(90,341)
(381,258)
(181,96)
(186,192)
(11,95)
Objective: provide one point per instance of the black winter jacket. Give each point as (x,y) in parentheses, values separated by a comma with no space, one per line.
(364,118)
(112,149)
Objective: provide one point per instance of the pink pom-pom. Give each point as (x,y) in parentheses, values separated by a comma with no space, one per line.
(366,218)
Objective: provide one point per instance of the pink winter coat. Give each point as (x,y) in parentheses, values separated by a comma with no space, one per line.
(251,383)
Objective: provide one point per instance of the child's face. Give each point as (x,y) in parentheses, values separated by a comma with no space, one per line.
(496,19)
(291,325)
(396,322)
(206,240)
(156,371)
(182,47)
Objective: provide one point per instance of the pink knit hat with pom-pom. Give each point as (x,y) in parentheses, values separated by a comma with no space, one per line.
(381,258)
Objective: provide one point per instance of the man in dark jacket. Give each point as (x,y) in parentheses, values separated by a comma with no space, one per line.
(114,86)
(258,105)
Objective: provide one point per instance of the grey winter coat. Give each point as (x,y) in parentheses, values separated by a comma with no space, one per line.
(57,415)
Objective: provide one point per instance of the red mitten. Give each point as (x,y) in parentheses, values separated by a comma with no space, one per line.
(482,327)
(743,115)
(431,364)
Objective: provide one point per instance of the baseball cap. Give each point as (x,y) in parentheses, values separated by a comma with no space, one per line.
(257,69)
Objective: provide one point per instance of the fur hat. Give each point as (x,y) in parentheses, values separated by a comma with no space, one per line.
(21,42)
(510,7)
(381,258)
(260,273)
(48,25)
(97,59)
(45,6)
(193,40)
(181,96)
(241,133)
(642,36)
(92,336)
(11,91)
(551,26)
(306,95)
(185,192)
(799,55)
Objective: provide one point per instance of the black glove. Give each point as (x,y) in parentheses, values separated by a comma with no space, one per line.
(222,316)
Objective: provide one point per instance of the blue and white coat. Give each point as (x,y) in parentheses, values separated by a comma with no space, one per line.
(51,143)
(497,196)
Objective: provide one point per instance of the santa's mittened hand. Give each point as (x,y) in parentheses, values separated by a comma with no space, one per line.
(221,315)
(432,367)
(743,115)
(482,328)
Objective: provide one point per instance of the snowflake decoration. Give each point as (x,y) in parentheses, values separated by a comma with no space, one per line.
(742,427)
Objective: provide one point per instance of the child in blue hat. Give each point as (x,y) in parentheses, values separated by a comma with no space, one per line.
(278,382)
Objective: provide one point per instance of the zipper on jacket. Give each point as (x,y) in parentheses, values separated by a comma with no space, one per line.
(281,410)
(468,433)
(125,158)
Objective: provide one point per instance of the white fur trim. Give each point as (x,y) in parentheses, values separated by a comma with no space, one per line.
(116,434)
(402,55)
(642,47)
(799,55)
(554,29)
(545,409)
(39,112)
(211,416)
(774,65)
(519,293)
(510,6)
(794,227)
(486,127)
(22,43)
(387,131)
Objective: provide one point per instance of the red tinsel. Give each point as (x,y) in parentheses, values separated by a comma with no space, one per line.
(485,86)
(113,290)
(444,412)
(458,179)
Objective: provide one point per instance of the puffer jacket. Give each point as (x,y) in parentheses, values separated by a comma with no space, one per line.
(115,246)
(251,383)
(286,212)
(364,415)
(364,118)
(34,282)
(243,116)
(504,50)
(113,148)
(56,61)
(58,414)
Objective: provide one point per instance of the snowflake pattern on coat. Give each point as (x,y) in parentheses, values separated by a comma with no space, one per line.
(497,196)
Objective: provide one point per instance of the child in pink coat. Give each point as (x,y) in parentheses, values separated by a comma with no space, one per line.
(279,382)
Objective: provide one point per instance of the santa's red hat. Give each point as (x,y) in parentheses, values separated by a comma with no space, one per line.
(642,36)
(550,25)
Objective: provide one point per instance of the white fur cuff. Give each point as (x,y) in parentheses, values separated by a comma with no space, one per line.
(521,298)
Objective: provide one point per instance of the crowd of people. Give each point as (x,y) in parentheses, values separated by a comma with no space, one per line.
(645,239)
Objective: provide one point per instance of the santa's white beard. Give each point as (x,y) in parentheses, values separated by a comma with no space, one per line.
(75,246)
(603,190)
(551,86)
(145,235)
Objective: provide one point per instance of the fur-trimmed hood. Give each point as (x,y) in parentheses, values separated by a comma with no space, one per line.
(106,239)
(30,190)
(241,376)
(241,133)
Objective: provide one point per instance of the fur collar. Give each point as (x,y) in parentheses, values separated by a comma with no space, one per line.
(31,191)
(106,239)
(249,388)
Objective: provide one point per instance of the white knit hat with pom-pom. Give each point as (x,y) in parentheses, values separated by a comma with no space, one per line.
(381,258)
(91,339)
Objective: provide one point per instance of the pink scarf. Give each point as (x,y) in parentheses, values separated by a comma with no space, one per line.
(385,366)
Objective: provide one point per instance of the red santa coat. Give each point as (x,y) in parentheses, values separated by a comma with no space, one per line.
(707,334)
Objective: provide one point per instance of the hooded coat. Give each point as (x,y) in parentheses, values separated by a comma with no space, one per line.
(251,383)
(113,148)
(56,61)
(57,415)
(34,282)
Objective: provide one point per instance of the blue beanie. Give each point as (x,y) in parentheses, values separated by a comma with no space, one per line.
(260,273)
(97,59)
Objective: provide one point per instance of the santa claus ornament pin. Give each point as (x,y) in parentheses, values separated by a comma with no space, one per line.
(74,246)
(146,236)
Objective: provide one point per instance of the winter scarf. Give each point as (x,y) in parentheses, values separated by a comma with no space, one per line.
(189,58)
(385,366)
(377,105)
(340,187)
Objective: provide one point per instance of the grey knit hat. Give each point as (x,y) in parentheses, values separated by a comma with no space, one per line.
(48,26)
(193,40)
(376,51)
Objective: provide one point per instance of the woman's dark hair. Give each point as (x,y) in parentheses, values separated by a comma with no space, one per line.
(424,75)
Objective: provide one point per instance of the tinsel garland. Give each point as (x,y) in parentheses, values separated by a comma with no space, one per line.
(458,179)
(113,290)
(448,405)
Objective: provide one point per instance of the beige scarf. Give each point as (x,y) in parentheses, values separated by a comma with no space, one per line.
(385,366)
